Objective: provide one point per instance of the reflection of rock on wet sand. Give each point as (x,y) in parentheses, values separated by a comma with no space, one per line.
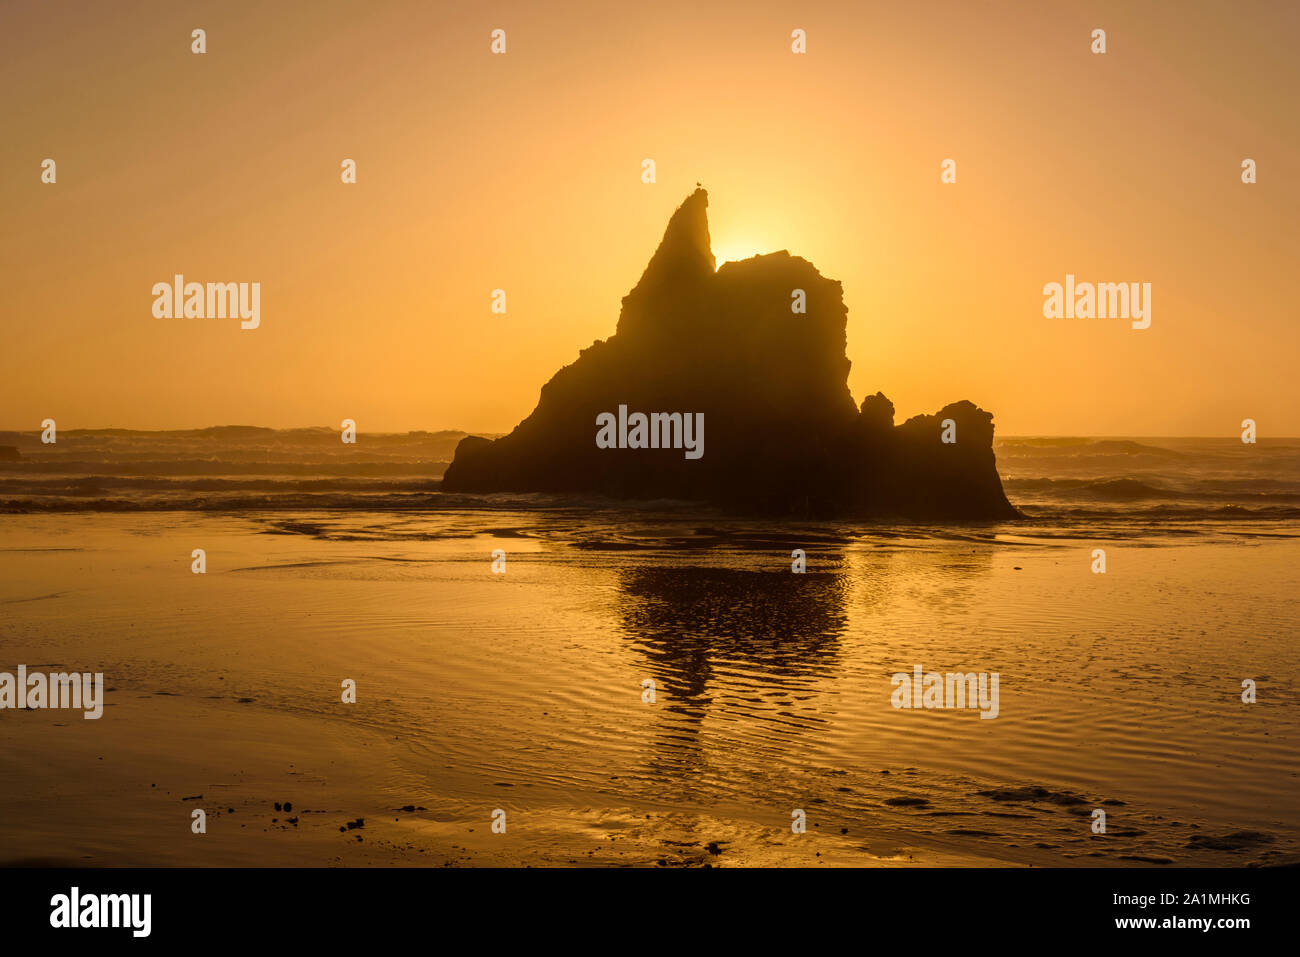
(734,648)
(782,627)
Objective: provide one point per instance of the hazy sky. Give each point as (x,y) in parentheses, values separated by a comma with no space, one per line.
(522,172)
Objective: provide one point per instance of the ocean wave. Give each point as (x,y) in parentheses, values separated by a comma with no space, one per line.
(341,466)
(91,484)
(1084,447)
(1159,514)
(425,497)
(1246,491)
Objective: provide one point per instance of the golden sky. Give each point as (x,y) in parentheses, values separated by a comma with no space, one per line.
(522,172)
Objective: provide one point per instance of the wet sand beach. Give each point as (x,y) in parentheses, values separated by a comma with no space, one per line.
(522,691)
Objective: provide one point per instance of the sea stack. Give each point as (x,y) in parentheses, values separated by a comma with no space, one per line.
(782,434)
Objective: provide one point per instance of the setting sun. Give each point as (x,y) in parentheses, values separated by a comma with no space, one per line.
(734,250)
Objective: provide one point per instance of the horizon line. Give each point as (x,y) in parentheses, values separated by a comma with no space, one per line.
(499,432)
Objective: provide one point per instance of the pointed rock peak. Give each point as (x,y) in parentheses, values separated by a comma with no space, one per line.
(688,230)
(685,252)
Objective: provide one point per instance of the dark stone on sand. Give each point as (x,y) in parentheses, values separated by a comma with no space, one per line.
(1146,860)
(277,805)
(1236,841)
(1032,794)
(782,434)
(288,806)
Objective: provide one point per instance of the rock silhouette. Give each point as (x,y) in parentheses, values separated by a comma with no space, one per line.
(782,434)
